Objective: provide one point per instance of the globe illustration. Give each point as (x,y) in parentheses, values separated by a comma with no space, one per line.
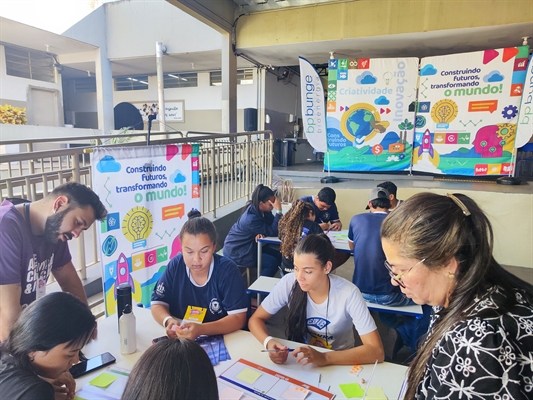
(359,123)
(109,246)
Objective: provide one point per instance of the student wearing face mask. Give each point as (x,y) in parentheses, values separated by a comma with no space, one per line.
(34,240)
(199,278)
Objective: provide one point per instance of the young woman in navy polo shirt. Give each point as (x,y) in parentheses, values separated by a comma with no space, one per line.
(200,278)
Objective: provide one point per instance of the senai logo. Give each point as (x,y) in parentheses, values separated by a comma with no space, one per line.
(314,105)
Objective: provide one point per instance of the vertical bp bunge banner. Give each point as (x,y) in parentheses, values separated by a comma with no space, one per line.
(467,112)
(148,192)
(370,122)
(313,110)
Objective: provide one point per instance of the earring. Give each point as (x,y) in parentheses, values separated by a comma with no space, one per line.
(451,275)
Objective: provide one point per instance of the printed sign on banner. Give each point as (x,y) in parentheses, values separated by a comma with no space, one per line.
(370,113)
(470,106)
(148,192)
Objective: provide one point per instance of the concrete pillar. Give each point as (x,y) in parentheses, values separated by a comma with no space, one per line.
(229,86)
(104,92)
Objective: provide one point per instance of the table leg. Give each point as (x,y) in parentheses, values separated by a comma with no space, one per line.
(259,262)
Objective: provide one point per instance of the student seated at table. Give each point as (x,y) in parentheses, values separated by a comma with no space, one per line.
(480,339)
(254,223)
(323,309)
(198,277)
(172,369)
(296,224)
(42,346)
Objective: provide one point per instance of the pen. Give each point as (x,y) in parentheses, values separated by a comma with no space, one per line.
(274,351)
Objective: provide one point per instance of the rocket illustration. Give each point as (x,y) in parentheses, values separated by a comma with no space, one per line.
(426,146)
(123,273)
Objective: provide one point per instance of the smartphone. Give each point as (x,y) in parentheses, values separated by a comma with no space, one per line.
(154,341)
(84,367)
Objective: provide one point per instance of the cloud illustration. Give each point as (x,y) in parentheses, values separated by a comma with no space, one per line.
(493,76)
(108,164)
(428,69)
(382,101)
(177,177)
(366,78)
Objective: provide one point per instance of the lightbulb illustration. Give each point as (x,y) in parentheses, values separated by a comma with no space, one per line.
(137,224)
(387,76)
(443,112)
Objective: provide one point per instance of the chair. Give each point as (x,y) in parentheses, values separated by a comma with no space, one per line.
(242,268)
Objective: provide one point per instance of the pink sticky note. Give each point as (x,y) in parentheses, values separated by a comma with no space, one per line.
(230,394)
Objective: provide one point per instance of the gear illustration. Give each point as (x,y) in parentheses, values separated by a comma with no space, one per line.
(505,131)
(510,112)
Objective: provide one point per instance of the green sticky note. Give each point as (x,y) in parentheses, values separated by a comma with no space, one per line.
(351,390)
(249,375)
(103,380)
(375,393)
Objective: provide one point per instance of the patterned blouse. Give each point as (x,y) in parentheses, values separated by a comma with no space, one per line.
(489,357)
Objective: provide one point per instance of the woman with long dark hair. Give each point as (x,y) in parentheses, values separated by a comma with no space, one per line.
(200,277)
(323,309)
(296,224)
(256,222)
(42,346)
(480,340)
(172,369)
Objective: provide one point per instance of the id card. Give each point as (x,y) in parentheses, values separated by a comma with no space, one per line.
(194,314)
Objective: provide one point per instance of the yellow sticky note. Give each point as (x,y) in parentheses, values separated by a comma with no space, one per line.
(195,314)
(249,375)
(375,393)
(103,380)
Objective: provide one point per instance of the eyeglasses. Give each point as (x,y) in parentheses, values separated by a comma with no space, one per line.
(398,277)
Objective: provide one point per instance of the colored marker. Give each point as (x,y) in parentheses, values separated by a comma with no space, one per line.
(275,351)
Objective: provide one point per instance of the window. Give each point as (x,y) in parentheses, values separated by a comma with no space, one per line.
(30,64)
(244,77)
(175,80)
(139,82)
(85,85)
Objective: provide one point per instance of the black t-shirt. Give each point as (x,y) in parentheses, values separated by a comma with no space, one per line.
(309,228)
(20,384)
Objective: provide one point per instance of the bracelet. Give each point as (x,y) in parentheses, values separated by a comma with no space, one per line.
(166,320)
(265,342)
(280,212)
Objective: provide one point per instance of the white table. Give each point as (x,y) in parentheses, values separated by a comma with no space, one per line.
(240,344)
(339,245)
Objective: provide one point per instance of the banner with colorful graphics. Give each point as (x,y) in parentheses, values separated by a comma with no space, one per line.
(370,113)
(148,192)
(524,131)
(469,105)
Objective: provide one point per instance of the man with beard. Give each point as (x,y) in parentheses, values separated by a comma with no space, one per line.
(33,239)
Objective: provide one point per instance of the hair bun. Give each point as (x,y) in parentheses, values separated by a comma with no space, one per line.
(194,213)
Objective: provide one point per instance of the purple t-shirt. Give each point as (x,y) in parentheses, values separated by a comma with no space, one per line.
(25,258)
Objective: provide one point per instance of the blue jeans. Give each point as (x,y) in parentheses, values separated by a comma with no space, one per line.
(270,261)
(409,328)
(393,299)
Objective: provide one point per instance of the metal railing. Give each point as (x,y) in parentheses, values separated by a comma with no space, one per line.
(231,166)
